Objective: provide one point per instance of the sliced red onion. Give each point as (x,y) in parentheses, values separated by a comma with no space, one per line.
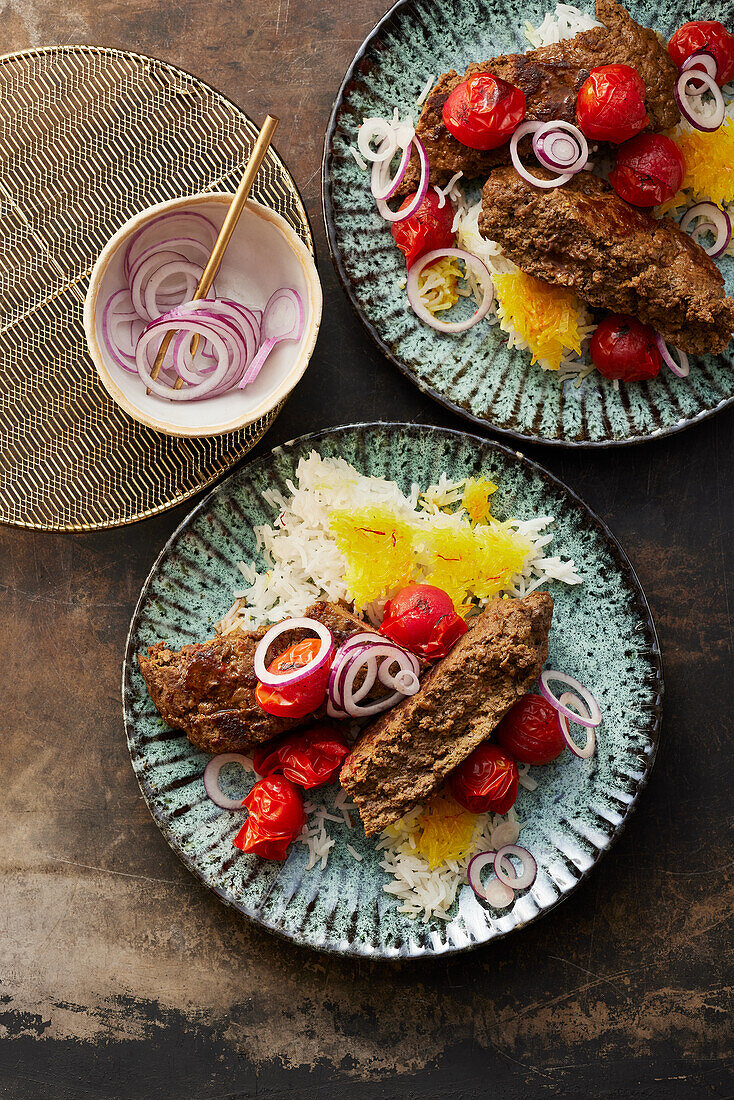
(569,699)
(718,221)
(363,651)
(401,215)
(681,369)
(211,778)
(701,60)
(275,679)
(163,228)
(474,872)
(119,313)
(522,131)
(498,895)
(377,129)
(594,716)
(686,109)
(506,872)
(382,186)
(414,295)
(561,147)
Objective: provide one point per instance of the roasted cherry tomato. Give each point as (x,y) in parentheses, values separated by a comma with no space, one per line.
(530,732)
(310,759)
(649,170)
(426,230)
(422,618)
(705,35)
(487,780)
(611,104)
(622,347)
(276,818)
(295,700)
(483,112)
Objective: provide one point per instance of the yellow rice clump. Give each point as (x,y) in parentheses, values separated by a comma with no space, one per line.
(380,551)
(384,553)
(709,165)
(546,317)
(444,831)
(475,498)
(437,284)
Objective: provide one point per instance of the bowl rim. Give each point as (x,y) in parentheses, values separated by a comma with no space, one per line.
(308,343)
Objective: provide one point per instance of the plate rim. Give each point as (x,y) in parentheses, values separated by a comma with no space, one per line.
(262,424)
(356,950)
(328,213)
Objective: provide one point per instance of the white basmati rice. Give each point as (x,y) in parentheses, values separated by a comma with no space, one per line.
(565,22)
(303,563)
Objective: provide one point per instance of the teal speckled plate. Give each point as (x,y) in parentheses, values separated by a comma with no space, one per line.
(475,374)
(602,631)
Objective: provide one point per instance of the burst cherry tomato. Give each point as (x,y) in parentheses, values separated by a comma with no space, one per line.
(295,700)
(310,759)
(487,780)
(705,35)
(483,112)
(422,618)
(611,104)
(622,347)
(276,818)
(649,170)
(530,732)
(426,230)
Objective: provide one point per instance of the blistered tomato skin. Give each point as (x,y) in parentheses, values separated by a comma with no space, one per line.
(611,104)
(310,758)
(649,170)
(422,618)
(487,781)
(705,36)
(427,230)
(625,349)
(275,818)
(484,111)
(300,699)
(530,732)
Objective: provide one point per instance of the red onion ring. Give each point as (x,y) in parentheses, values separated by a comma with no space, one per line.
(211,778)
(681,98)
(364,651)
(191,219)
(414,294)
(701,60)
(503,867)
(594,716)
(401,215)
(719,221)
(546,139)
(275,679)
(569,698)
(522,131)
(382,187)
(373,129)
(124,359)
(474,872)
(680,370)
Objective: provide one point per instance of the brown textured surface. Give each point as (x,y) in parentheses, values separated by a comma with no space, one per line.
(407,753)
(122,977)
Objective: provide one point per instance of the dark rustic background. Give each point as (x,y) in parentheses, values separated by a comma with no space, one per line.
(122,977)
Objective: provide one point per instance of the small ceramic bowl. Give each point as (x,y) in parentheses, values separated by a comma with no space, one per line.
(263,255)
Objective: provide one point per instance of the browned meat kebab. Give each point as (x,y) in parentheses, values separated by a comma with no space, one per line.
(616,256)
(208,689)
(406,754)
(551,78)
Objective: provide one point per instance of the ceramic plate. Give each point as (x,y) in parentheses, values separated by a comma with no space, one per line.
(475,374)
(602,630)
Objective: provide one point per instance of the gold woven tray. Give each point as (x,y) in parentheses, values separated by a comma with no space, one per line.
(88,137)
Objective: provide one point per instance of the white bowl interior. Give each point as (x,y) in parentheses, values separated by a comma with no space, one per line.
(259,260)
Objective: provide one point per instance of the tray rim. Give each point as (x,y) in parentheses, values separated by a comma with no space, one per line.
(269,418)
(656,709)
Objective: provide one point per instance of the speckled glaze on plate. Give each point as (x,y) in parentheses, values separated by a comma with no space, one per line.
(475,374)
(602,631)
